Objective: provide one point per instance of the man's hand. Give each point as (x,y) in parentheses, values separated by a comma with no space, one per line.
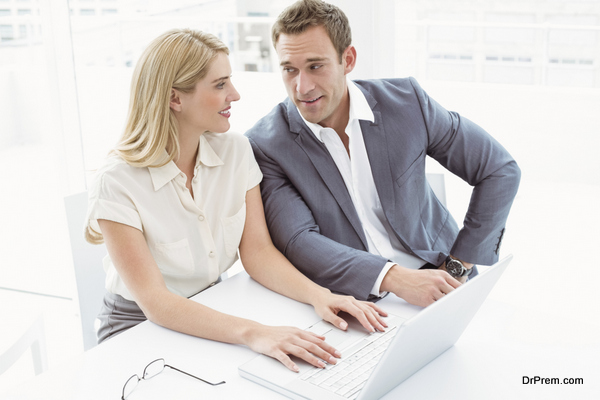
(420,287)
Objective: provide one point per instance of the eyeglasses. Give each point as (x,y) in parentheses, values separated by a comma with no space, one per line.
(151,370)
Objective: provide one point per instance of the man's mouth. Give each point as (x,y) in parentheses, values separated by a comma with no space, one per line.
(310,101)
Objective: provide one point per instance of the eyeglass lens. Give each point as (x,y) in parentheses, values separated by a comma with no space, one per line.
(151,370)
(130,385)
(154,368)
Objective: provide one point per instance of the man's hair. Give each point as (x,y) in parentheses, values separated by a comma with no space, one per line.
(304,14)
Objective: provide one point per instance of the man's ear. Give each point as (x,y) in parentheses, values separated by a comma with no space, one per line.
(349,59)
(175,100)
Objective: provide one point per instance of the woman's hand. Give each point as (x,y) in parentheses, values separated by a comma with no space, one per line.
(328,305)
(281,341)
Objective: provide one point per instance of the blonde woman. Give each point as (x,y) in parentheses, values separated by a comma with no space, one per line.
(176,199)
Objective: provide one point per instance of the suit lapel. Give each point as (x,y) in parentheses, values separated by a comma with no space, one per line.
(378,153)
(325,166)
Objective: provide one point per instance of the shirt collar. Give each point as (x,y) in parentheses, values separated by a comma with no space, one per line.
(206,155)
(359,109)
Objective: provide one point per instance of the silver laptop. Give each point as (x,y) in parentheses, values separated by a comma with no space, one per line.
(373,364)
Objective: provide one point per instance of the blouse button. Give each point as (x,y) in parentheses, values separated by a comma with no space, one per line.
(201,217)
(211,254)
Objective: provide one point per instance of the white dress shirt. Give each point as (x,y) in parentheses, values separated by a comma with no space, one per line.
(356,172)
(192,239)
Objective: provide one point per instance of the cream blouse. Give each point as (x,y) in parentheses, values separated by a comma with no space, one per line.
(193,240)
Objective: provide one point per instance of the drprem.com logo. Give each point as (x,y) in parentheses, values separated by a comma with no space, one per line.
(535,380)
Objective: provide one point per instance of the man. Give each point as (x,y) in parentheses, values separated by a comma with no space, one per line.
(344,187)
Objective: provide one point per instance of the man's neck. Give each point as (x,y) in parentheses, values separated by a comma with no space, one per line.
(339,119)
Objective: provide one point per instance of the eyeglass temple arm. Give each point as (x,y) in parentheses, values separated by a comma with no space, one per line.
(200,379)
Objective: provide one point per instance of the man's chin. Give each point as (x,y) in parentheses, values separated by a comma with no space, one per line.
(310,117)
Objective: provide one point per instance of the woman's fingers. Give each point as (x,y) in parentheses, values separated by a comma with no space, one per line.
(307,346)
(368,314)
(285,360)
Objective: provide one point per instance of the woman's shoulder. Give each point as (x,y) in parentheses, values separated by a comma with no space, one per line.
(228,143)
(116,169)
(226,138)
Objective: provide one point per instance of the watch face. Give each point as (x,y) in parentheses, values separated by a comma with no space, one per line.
(454,268)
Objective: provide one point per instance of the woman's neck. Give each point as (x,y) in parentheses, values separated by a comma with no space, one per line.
(186,162)
(188,151)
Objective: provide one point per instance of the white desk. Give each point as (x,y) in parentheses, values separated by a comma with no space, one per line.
(500,346)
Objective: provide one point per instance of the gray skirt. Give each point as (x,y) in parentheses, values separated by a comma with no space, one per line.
(117,315)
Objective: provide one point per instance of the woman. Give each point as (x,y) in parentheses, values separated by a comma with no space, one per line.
(178,196)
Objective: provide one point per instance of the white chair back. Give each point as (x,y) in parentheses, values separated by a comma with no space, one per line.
(89,274)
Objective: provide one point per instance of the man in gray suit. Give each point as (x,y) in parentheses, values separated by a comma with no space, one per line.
(344,187)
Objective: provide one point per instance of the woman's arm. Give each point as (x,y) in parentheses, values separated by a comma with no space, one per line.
(269,267)
(136,266)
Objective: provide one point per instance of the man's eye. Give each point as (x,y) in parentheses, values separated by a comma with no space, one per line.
(315,66)
(221,85)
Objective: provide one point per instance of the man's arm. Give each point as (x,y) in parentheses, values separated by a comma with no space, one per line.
(471,153)
(295,233)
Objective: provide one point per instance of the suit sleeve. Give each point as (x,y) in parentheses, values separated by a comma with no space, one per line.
(295,233)
(471,153)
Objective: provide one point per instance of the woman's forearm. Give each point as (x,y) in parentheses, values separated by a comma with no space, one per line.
(187,316)
(271,269)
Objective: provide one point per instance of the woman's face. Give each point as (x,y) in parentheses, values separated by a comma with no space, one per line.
(207,108)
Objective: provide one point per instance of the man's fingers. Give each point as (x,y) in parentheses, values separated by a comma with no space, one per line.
(452,281)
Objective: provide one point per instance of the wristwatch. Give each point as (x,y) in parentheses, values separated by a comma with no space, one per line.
(456,269)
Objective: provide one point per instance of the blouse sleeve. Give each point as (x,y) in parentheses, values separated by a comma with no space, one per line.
(109,199)
(254,173)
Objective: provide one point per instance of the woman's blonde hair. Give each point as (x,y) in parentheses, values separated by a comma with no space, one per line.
(177,59)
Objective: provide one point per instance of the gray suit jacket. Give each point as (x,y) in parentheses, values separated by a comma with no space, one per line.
(311,216)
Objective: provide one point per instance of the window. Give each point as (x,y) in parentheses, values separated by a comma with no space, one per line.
(6,32)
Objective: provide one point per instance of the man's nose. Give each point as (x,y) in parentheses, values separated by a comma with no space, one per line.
(304,83)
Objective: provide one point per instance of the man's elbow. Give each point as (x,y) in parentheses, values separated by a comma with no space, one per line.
(514,173)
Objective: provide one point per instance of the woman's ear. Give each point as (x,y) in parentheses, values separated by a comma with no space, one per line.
(175,100)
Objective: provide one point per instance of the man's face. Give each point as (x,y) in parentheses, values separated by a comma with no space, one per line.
(313,75)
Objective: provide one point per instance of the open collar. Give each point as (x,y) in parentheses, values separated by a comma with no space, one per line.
(359,110)
(206,155)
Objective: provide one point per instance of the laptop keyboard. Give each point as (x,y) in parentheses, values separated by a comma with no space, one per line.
(349,375)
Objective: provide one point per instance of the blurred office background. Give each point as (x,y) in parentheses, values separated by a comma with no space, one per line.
(528,71)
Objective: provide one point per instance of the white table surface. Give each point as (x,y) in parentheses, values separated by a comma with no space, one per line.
(501,345)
